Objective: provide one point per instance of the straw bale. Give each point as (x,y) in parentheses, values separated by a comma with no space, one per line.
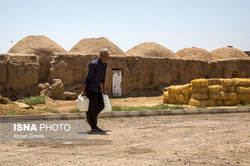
(215,88)
(213,95)
(244,82)
(200,96)
(199,83)
(194,102)
(165,97)
(186,89)
(180,98)
(231,102)
(213,81)
(209,102)
(243,90)
(229,82)
(199,89)
(175,89)
(244,97)
(227,95)
(198,103)
(229,88)
(172,99)
(219,102)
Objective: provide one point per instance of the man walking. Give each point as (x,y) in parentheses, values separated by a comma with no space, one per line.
(94,86)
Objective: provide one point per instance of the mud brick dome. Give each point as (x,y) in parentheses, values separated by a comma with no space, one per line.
(151,50)
(89,46)
(194,54)
(36,45)
(228,53)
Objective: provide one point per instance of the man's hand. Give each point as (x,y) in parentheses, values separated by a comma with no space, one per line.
(83,93)
(103,88)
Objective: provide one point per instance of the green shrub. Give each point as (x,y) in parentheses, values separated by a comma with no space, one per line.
(145,108)
(47,109)
(75,110)
(34,100)
(248,105)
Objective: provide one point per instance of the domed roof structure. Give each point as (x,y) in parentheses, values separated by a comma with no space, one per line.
(194,54)
(36,45)
(228,53)
(151,49)
(93,45)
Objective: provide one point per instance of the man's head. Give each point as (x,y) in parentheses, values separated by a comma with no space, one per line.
(104,54)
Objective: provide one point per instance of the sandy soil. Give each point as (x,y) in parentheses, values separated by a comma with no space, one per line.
(216,139)
(64,106)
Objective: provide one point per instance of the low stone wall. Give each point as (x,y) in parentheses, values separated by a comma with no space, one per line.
(24,74)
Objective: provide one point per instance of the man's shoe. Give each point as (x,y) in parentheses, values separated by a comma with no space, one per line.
(97,129)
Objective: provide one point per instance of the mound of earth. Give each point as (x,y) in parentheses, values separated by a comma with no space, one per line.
(90,46)
(151,49)
(39,45)
(194,54)
(7,107)
(228,53)
(5,100)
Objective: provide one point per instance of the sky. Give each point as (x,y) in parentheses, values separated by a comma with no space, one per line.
(175,24)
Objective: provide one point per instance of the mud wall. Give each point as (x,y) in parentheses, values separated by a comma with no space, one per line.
(19,75)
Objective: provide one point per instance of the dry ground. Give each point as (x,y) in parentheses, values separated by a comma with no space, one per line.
(216,139)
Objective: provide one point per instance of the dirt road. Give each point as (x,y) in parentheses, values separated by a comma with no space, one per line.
(216,139)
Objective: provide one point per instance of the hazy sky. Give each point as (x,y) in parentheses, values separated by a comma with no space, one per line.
(175,24)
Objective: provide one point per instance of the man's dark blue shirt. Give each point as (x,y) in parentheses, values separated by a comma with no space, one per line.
(96,75)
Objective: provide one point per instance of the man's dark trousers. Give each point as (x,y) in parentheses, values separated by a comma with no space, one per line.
(96,105)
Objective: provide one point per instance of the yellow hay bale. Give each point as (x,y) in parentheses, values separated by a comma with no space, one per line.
(200,96)
(209,102)
(199,89)
(199,82)
(182,98)
(215,88)
(244,82)
(243,90)
(198,103)
(219,102)
(175,89)
(172,99)
(244,97)
(229,88)
(165,97)
(231,102)
(186,89)
(214,81)
(194,102)
(227,96)
(214,95)
(229,82)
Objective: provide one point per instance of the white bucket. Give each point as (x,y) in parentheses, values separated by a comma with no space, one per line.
(107,105)
(83,103)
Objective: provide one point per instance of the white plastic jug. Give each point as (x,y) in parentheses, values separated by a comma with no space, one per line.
(83,103)
(107,105)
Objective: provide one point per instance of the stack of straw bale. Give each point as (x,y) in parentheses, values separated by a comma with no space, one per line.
(210,92)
